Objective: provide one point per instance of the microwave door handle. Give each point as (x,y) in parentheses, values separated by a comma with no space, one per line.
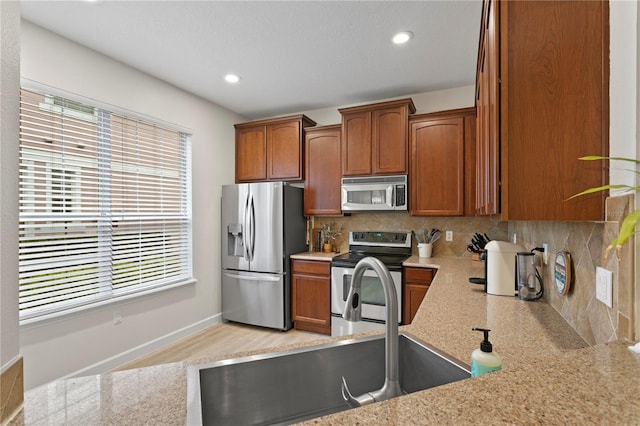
(368,187)
(390,196)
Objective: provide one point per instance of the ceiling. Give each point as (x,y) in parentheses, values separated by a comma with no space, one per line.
(292,56)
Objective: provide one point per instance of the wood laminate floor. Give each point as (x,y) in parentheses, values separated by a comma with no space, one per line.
(222,339)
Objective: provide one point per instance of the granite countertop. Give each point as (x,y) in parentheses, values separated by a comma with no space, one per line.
(315,255)
(549,374)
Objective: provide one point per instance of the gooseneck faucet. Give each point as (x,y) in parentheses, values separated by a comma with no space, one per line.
(353,312)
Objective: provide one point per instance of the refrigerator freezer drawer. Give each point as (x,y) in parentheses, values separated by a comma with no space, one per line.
(254,298)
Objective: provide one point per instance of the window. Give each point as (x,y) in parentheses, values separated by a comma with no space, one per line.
(105,205)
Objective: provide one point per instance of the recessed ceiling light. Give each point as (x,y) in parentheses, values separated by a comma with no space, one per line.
(402,37)
(232,78)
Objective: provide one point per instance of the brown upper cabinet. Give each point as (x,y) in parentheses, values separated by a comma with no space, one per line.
(375,138)
(322,170)
(442,155)
(542,97)
(271,149)
(488,122)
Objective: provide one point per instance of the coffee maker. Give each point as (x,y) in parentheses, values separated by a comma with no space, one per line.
(500,268)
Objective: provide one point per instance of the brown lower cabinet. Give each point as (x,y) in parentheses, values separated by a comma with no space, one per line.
(416,285)
(310,295)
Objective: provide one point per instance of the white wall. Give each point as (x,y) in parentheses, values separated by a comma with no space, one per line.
(461,97)
(624,113)
(9,95)
(82,342)
(623,89)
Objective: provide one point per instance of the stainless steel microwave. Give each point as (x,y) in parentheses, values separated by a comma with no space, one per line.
(374,193)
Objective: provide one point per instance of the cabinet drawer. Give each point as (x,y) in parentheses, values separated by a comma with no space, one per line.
(420,275)
(310,267)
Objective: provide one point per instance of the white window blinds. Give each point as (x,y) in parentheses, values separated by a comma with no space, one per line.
(105,205)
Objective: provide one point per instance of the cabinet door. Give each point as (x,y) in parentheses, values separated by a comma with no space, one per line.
(437,167)
(284,151)
(251,154)
(492,77)
(554,97)
(389,140)
(310,296)
(416,285)
(487,101)
(413,296)
(356,143)
(322,170)
(470,142)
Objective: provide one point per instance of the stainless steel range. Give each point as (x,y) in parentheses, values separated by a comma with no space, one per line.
(392,248)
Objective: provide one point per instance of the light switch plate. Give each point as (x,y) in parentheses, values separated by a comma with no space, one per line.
(604,286)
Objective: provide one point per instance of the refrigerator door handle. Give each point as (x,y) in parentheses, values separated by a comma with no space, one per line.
(247,231)
(253,227)
(252,277)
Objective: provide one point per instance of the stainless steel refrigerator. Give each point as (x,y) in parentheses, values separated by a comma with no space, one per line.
(262,225)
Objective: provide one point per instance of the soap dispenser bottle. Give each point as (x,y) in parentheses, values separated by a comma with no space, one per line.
(484,360)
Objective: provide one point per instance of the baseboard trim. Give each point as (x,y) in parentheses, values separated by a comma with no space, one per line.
(132,354)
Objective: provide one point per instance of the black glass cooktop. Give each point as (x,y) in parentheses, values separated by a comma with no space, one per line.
(391,248)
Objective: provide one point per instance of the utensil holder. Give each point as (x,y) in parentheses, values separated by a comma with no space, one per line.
(424,249)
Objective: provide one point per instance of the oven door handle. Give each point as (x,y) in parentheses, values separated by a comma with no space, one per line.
(371,311)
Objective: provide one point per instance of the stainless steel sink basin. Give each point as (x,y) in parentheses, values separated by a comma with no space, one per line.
(295,385)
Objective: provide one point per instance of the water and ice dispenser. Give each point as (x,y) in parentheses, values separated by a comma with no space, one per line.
(235,244)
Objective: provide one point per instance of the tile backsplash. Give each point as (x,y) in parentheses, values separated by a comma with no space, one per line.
(463,229)
(585,241)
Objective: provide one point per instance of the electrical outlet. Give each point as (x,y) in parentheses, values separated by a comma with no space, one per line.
(545,254)
(117,318)
(604,286)
(448,235)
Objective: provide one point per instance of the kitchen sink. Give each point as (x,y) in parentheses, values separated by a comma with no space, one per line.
(300,384)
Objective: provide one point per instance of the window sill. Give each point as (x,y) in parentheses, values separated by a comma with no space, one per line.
(43,319)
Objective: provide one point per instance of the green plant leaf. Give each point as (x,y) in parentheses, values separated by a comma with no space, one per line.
(628,227)
(597,157)
(626,231)
(603,188)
